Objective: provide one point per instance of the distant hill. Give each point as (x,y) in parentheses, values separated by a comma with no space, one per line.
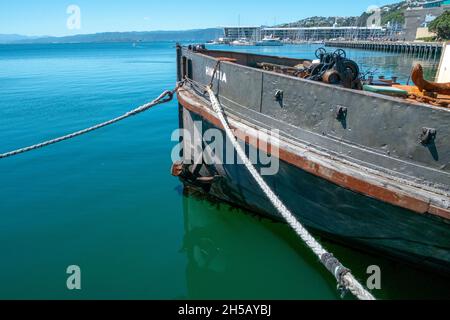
(200,35)
(323,22)
(8,38)
(393,13)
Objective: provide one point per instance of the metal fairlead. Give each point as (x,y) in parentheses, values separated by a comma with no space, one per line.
(341,112)
(177,169)
(279,95)
(427,136)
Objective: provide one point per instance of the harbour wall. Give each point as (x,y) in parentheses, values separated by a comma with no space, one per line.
(425,50)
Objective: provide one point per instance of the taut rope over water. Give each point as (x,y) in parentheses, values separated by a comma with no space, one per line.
(165,97)
(344,277)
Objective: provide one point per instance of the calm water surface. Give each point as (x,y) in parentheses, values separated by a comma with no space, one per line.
(107,202)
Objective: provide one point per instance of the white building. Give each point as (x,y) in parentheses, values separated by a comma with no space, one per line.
(298,33)
(234,33)
(326,33)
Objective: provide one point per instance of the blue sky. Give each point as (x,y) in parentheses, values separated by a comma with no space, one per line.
(48,17)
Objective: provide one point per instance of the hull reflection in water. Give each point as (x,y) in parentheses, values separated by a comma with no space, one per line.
(232,254)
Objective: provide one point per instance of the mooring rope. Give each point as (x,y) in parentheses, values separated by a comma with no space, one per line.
(165,97)
(343,275)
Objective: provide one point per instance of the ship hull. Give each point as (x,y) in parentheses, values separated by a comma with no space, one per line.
(337,213)
(364,180)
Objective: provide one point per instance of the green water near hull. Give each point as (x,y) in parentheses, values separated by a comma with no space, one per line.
(107,202)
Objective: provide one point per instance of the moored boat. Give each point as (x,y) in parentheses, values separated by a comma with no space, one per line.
(270,41)
(365,168)
(243,42)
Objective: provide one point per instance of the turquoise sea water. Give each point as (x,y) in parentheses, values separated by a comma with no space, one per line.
(107,203)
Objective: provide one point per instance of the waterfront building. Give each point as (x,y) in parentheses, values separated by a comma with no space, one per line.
(326,33)
(236,33)
(417,19)
(307,34)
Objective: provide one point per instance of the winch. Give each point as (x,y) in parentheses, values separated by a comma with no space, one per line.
(330,67)
(334,68)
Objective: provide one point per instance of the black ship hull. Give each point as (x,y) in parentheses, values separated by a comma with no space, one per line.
(347,201)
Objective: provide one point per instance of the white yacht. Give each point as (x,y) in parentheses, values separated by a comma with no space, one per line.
(270,41)
(242,42)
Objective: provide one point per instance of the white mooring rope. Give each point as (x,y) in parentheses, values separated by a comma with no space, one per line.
(166,96)
(343,275)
